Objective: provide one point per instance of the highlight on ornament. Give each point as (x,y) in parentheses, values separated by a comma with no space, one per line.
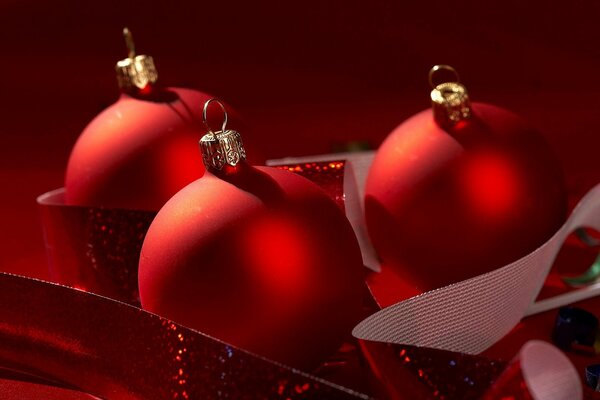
(125,165)
(258,257)
(461,189)
(141,150)
(259,266)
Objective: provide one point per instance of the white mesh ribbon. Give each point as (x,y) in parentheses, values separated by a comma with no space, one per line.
(471,315)
(548,373)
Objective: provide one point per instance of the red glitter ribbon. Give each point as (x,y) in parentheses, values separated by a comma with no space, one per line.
(328,175)
(94,249)
(115,351)
(97,250)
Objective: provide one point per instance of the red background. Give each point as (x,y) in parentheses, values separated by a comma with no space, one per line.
(306,75)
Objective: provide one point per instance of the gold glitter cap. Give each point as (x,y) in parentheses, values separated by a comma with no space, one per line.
(449,100)
(135,71)
(223,147)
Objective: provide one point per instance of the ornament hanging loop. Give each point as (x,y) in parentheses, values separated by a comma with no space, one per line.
(222,147)
(136,72)
(205,115)
(129,43)
(449,99)
(442,67)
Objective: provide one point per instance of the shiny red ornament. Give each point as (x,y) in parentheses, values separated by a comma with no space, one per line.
(142,149)
(461,190)
(258,257)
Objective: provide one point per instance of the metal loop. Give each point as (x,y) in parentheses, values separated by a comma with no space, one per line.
(129,42)
(439,67)
(204,117)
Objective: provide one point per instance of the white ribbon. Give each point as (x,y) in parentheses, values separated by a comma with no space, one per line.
(355,178)
(471,315)
(548,373)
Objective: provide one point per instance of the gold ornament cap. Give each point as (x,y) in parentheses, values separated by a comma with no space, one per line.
(449,100)
(135,71)
(223,147)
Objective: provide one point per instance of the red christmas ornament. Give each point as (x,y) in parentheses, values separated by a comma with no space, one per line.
(460,190)
(141,150)
(258,257)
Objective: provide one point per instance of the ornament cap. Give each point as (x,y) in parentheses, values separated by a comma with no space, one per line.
(135,71)
(223,147)
(450,100)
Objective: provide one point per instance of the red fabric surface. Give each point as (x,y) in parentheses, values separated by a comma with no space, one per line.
(306,75)
(18,390)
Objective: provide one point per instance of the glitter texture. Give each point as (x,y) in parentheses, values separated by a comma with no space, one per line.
(97,249)
(116,351)
(55,332)
(328,175)
(94,249)
(427,372)
(439,374)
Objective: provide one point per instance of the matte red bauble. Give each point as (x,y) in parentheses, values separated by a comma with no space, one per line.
(258,257)
(460,190)
(141,150)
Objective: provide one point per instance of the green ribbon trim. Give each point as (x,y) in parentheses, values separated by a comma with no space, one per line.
(592,274)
